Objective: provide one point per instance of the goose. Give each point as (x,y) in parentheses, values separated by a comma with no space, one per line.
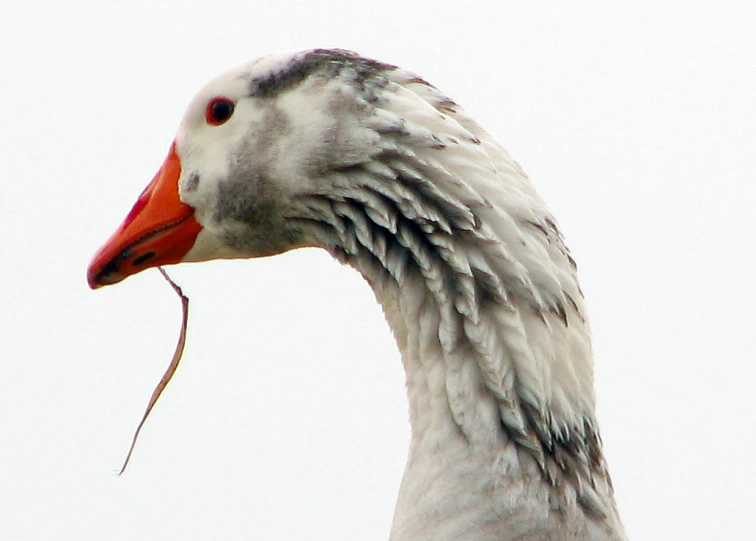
(372,163)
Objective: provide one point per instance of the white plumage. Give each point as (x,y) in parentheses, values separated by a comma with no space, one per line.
(375,165)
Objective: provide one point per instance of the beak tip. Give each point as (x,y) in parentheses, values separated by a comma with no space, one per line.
(93,284)
(92,277)
(160,229)
(101,273)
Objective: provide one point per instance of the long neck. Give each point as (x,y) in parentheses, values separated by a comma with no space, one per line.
(464,468)
(498,372)
(482,297)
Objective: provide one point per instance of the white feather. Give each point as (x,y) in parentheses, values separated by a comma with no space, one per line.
(378,167)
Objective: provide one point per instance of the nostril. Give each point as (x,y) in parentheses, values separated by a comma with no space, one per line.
(144,258)
(110,268)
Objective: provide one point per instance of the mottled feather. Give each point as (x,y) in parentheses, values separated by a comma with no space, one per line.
(388,174)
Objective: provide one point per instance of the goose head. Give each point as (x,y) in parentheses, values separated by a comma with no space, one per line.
(326,148)
(252,144)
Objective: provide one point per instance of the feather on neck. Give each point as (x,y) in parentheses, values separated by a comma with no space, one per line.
(476,283)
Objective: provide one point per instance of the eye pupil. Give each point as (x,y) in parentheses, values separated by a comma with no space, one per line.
(219,110)
(222,110)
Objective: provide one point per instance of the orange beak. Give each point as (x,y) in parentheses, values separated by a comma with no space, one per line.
(159,230)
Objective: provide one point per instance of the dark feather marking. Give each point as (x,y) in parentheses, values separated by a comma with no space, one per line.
(537,226)
(329,62)
(192,183)
(250,195)
(568,456)
(419,80)
(446,105)
(562,456)
(550,230)
(573,263)
(574,306)
(557,308)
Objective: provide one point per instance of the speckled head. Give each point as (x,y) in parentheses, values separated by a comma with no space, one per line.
(324,148)
(250,142)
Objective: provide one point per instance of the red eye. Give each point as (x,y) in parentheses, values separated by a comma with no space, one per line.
(218,111)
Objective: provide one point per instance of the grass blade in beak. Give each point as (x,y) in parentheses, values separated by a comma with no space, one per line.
(163,383)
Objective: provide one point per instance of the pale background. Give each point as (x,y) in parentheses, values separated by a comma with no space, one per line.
(287,418)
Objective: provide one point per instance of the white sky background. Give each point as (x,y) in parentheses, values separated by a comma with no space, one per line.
(287,418)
